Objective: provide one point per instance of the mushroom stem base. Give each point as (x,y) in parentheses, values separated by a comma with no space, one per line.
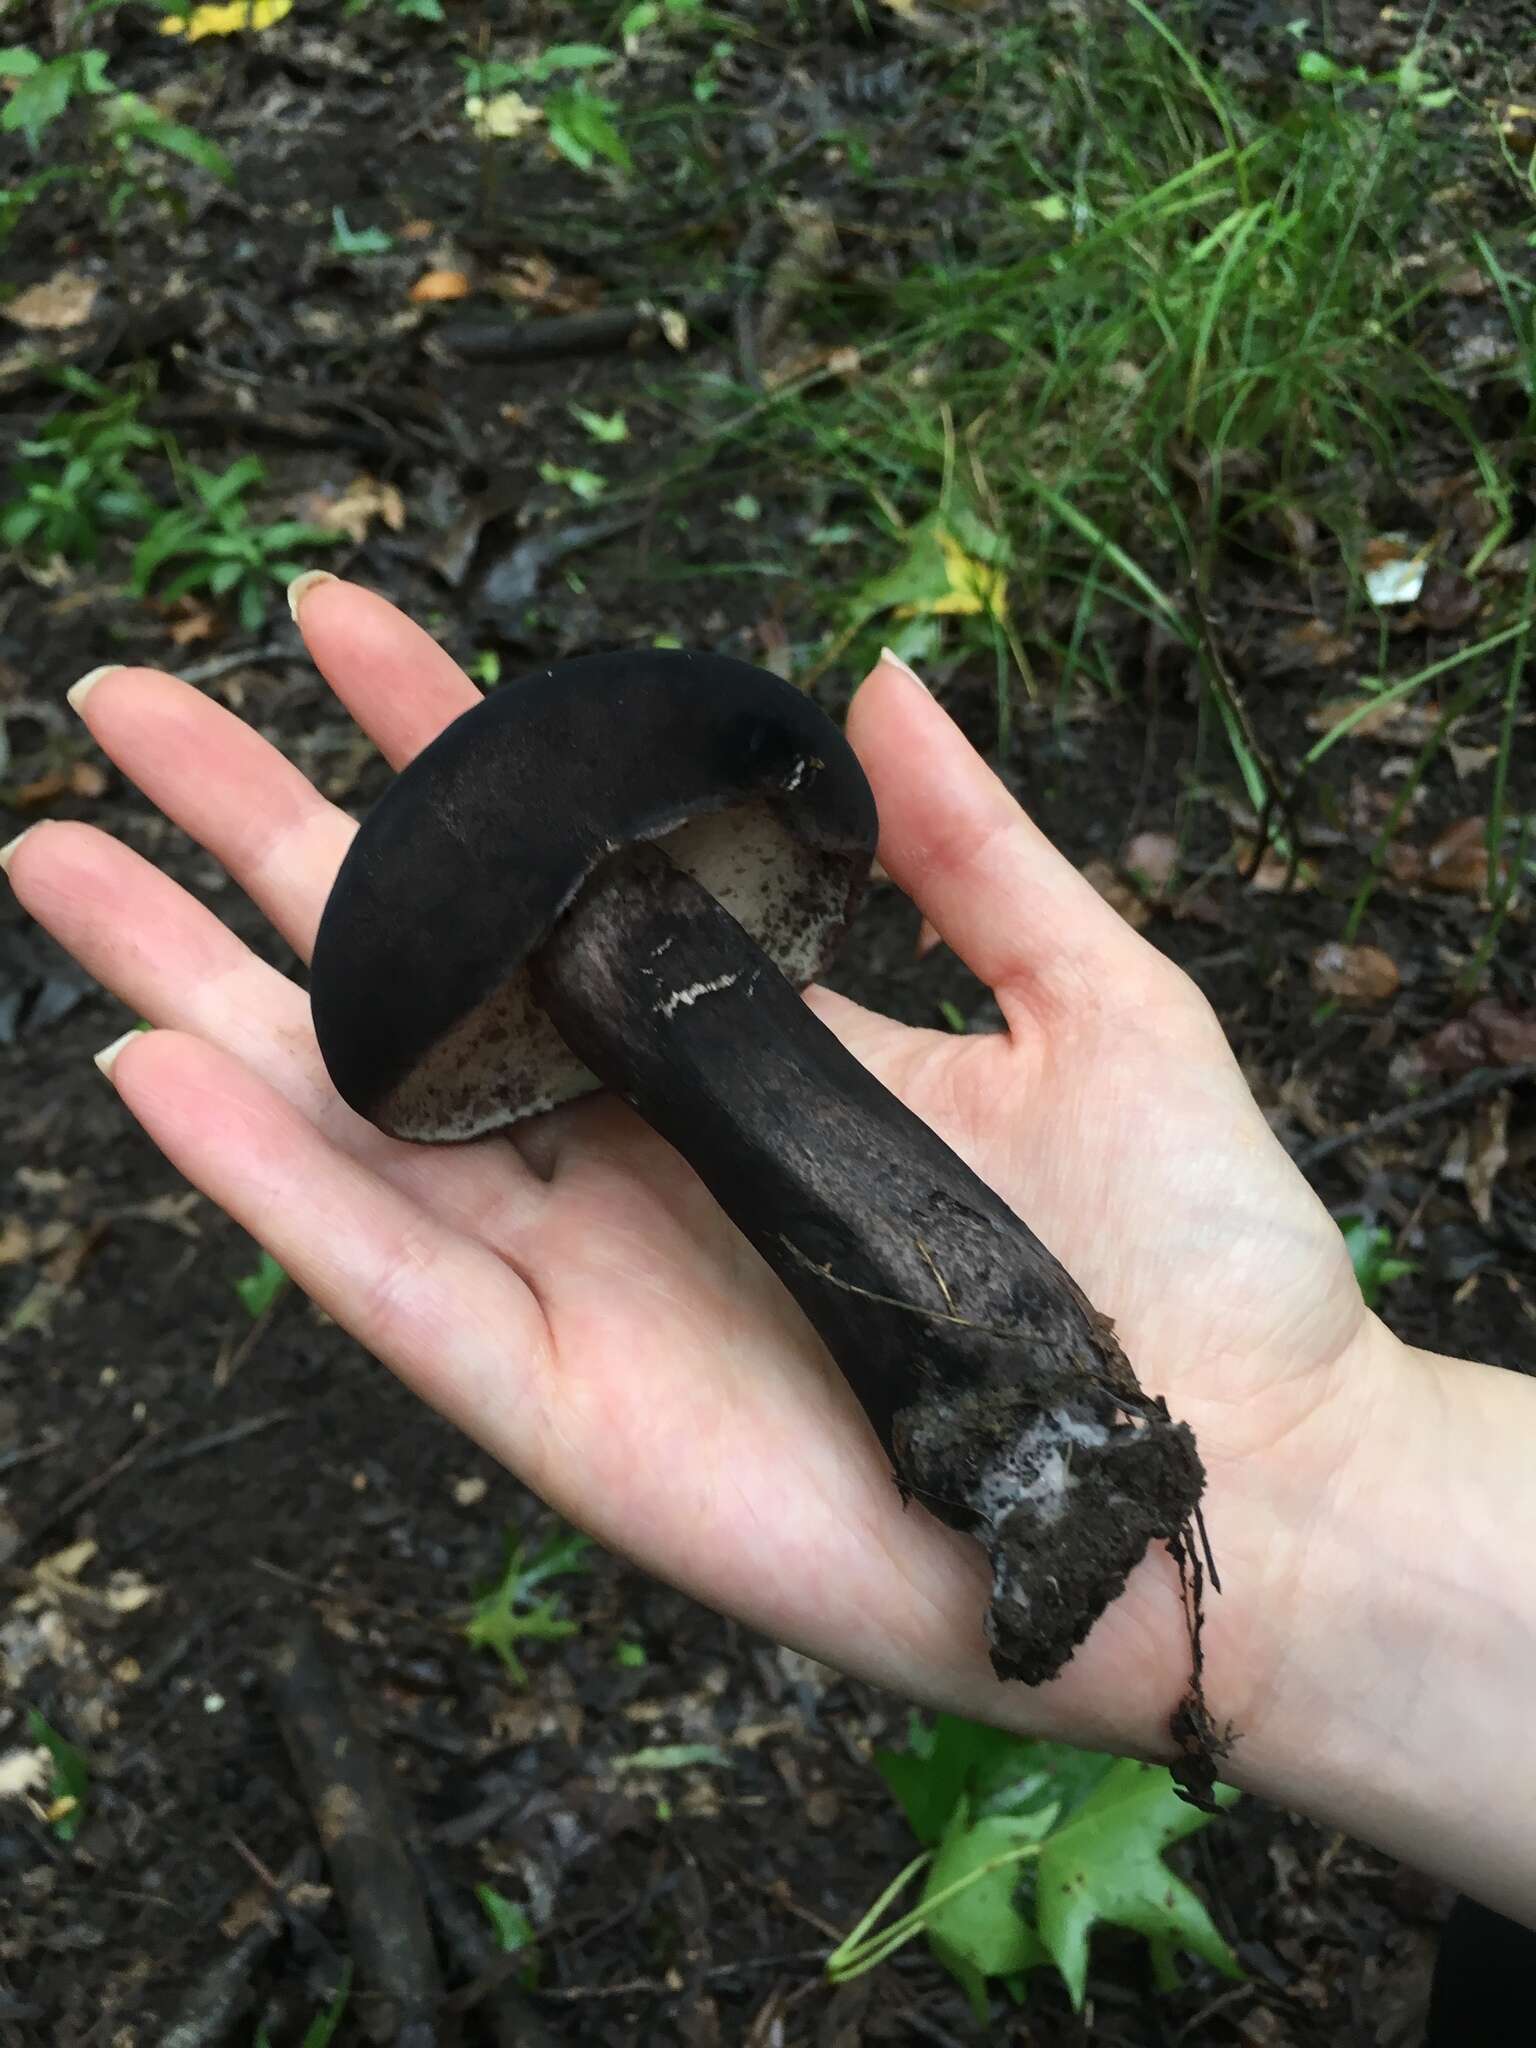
(1001,1396)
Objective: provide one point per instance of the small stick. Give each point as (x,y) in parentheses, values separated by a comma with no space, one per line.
(223,1992)
(217,1440)
(349,1794)
(1470,1088)
(72,1502)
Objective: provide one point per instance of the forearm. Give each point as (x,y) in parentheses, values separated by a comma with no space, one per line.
(1404,1702)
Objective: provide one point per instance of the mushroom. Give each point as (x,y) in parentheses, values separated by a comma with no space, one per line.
(619,872)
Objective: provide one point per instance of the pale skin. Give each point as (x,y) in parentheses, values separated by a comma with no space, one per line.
(572,1299)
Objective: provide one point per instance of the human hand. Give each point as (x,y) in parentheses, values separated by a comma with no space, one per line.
(573,1299)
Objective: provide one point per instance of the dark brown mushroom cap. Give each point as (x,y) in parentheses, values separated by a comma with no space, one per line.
(419,990)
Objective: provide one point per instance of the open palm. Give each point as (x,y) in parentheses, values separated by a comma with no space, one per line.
(572,1297)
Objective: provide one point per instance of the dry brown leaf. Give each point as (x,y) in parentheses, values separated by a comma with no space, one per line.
(1457,862)
(80,778)
(416,231)
(1152,859)
(1517,126)
(674,328)
(194,622)
(1118,893)
(1468,281)
(435,286)
(64,301)
(353,513)
(1489,1035)
(1312,644)
(1478,1154)
(1394,720)
(1469,761)
(1448,600)
(1274,874)
(1354,974)
(534,281)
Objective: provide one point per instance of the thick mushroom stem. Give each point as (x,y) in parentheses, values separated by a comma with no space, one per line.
(1000,1395)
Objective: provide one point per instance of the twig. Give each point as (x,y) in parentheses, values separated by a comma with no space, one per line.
(349,1794)
(72,1502)
(339,1596)
(569,334)
(218,1440)
(229,1361)
(1470,1088)
(223,1992)
(9,1460)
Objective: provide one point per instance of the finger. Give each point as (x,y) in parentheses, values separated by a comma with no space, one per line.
(954,838)
(171,960)
(440,1310)
(399,685)
(223,784)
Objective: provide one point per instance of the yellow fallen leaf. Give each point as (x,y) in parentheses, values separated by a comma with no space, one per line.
(973,586)
(227,20)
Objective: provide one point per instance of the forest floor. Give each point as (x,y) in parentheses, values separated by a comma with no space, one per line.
(1164,385)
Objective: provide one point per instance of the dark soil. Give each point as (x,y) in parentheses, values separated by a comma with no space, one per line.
(244,1472)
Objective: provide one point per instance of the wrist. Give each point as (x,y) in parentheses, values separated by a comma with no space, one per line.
(1402,1666)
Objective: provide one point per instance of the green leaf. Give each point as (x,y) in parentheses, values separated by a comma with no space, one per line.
(323,2026)
(71,1776)
(511,1925)
(584,484)
(929,1777)
(1106,1864)
(503,1615)
(350,241)
(609,427)
(1370,1253)
(259,1288)
(39,100)
(19,62)
(673,1756)
(566,57)
(196,149)
(580,128)
(1317,68)
(979,1922)
(630,1656)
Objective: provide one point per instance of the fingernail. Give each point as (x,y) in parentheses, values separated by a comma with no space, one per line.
(106,1059)
(301,586)
(890,659)
(8,851)
(78,692)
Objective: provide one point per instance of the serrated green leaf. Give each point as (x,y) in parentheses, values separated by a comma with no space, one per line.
(1106,1864)
(502,1616)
